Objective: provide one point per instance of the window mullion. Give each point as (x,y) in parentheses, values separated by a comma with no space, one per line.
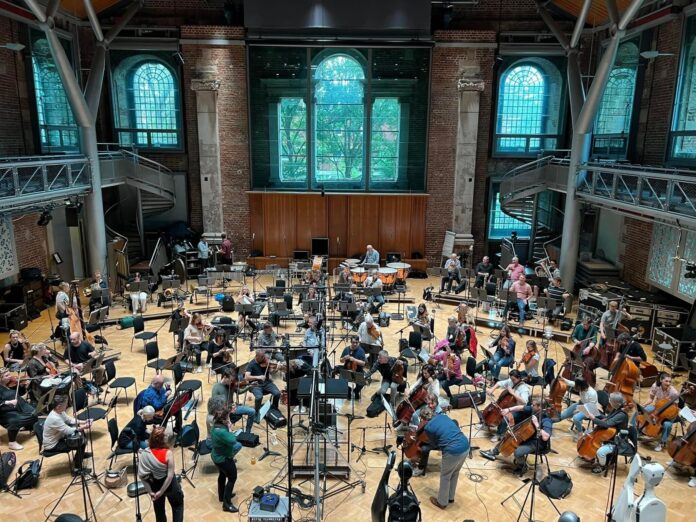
(367,125)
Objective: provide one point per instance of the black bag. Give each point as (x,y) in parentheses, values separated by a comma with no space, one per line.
(288,301)
(556,484)
(228,303)
(403,507)
(376,406)
(463,400)
(28,475)
(384,319)
(7,464)
(403,344)
(248,440)
(274,319)
(276,419)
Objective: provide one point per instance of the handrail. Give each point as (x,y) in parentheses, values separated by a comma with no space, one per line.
(655,172)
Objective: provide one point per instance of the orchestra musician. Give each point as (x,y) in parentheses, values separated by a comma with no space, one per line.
(38,367)
(15,412)
(516,386)
(423,317)
(610,320)
(225,389)
(451,369)
(559,294)
(371,256)
(354,359)
(225,250)
(514,270)
(194,339)
(484,272)
(530,359)
(504,354)
(313,336)
(13,353)
(542,440)
(79,351)
(452,330)
(219,350)
(444,435)
(616,418)
(452,265)
(432,402)
(258,375)
(385,366)
(62,306)
(660,391)
(369,333)
(632,348)
(267,338)
(345,277)
(159,397)
(588,395)
(136,429)
(523,292)
(373,281)
(59,427)
(244,298)
(98,283)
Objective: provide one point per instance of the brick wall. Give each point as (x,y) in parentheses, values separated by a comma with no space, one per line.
(636,239)
(31,242)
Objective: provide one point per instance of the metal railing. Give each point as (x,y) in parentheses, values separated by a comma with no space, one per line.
(533,177)
(124,166)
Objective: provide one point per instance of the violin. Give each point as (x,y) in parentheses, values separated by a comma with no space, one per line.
(374,332)
(528,356)
(683,449)
(414,441)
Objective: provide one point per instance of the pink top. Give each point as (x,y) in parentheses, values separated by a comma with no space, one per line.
(658,394)
(457,365)
(515,271)
(523,290)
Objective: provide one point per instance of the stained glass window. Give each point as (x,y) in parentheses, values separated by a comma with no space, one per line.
(683,135)
(57,128)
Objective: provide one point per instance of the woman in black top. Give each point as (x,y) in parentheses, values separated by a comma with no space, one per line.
(136,429)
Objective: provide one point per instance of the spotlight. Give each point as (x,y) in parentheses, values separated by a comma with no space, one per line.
(44,219)
(690,271)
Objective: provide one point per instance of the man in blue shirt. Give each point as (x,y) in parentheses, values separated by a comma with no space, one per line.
(203,254)
(445,435)
(371,256)
(354,356)
(157,396)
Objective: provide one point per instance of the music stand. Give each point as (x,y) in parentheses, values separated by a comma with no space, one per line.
(388,411)
(177,325)
(399,289)
(508,298)
(313,306)
(262,415)
(171,361)
(547,304)
(481,296)
(275,291)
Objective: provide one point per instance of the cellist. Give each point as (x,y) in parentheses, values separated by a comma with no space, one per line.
(516,386)
(588,395)
(617,418)
(385,366)
(670,462)
(354,359)
(661,390)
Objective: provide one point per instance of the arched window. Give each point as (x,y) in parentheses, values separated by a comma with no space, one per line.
(613,122)
(57,127)
(146,101)
(683,136)
(339,113)
(529,107)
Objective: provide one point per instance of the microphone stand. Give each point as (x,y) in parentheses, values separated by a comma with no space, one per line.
(136,447)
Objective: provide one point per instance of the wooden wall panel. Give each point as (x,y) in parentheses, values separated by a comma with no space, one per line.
(311,220)
(418,227)
(363,223)
(395,225)
(256,221)
(338,226)
(279,217)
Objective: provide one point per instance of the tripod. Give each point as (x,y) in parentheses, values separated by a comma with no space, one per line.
(267,452)
(362,449)
(387,412)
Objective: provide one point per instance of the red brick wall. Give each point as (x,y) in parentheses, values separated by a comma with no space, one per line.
(636,237)
(32,242)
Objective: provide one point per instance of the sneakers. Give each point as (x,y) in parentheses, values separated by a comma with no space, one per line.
(495,438)
(199,370)
(692,482)
(15,446)
(418,472)
(597,469)
(658,448)
(488,454)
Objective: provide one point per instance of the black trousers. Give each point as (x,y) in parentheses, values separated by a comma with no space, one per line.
(63,447)
(453,276)
(227,476)
(174,495)
(425,455)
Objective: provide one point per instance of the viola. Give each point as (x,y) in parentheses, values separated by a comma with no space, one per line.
(414,441)
(515,436)
(683,449)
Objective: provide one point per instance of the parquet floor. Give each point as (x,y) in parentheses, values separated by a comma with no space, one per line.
(476,500)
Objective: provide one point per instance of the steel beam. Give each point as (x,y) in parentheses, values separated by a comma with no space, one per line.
(613,12)
(579,23)
(93,20)
(37,9)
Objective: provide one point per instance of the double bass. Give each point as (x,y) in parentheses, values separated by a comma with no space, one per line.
(623,376)
(683,449)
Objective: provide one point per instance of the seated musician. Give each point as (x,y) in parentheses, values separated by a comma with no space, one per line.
(371,335)
(583,331)
(618,419)
(542,441)
(610,321)
(423,318)
(98,283)
(297,370)
(371,256)
(452,369)
(267,338)
(353,355)
(513,270)
(62,433)
(444,435)
(314,334)
(38,367)
(660,391)
(375,302)
(226,389)
(159,397)
(258,374)
(194,339)
(15,412)
(484,272)
(530,359)
(504,354)
(345,277)
(588,395)
(218,348)
(79,351)
(136,429)
(632,348)
(452,265)
(244,298)
(671,462)
(452,330)
(385,366)
(523,292)
(13,353)
(516,386)
(178,314)
(559,294)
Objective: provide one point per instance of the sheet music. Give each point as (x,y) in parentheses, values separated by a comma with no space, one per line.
(589,408)
(686,414)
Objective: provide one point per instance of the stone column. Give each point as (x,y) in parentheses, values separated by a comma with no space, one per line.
(206,85)
(470,86)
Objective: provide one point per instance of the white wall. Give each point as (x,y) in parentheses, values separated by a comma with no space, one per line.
(608,234)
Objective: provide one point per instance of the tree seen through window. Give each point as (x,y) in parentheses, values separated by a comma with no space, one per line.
(154,100)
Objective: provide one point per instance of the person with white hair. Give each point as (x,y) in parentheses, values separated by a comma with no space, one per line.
(373,281)
(136,429)
(452,265)
(617,419)
(385,365)
(371,256)
(514,270)
(369,332)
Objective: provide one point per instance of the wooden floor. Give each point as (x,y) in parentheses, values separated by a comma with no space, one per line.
(482,485)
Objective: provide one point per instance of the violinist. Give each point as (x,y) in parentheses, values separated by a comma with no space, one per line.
(662,390)
(312,294)
(423,317)
(516,386)
(225,389)
(313,337)
(385,366)
(452,265)
(452,331)
(444,435)
(353,359)
(220,350)
(588,395)
(345,277)
(38,367)
(15,412)
(13,353)
(160,397)
(530,359)
(504,354)
(610,320)
(452,369)
(618,419)
(369,333)
(244,298)
(542,440)
(375,302)
(194,339)
(258,374)
(267,338)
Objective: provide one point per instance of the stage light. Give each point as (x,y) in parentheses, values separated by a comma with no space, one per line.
(44,219)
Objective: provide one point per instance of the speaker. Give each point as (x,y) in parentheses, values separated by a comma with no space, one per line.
(248,440)
(71,217)
(276,419)
(393,257)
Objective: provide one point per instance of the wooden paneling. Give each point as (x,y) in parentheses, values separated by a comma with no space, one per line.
(282,223)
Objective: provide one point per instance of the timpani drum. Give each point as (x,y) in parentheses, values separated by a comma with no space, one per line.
(402,270)
(359,275)
(351,263)
(387,275)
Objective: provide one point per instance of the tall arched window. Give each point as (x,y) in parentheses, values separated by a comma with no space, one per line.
(339,113)
(146,100)
(57,127)
(683,136)
(613,122)
(529,107)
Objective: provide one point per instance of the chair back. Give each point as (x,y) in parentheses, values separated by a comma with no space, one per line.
(38,431)
(138,401)
(415,340)
(152,350)
(189,435)
(138,324)
(110,369)
(603,399)
(112,426)
(80,400)
(471,367)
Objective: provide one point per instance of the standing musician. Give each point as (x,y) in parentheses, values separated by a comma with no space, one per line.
(523,292)
(194,339)
(451,369)
(354,359)
(610,320)
(225,390)
(374,301)
(13,353)
(618,419)
(530,359)
(385,365)
(62,307)
(588,395)
(39,366)
(662,390)
(258,375)
(542,439)
(371,256)
(15,412)
(203,254)
(220,351)
(225,251)
(444,435)
(514,271)
(484,272)
(504,354)
(516,386)
(452,265)
(432,402)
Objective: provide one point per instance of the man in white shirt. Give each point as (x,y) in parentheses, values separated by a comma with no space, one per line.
(452,265)
(59,427)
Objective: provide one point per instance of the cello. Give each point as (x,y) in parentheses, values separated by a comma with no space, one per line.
(650,423)
(515,436)
(414,440)
(492,414)
(556,394)
(406,408)
(683,449)
(589,361)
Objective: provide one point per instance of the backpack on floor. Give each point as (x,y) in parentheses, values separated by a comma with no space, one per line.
(376,406)
(7,465)
(28,475)
(556,484)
